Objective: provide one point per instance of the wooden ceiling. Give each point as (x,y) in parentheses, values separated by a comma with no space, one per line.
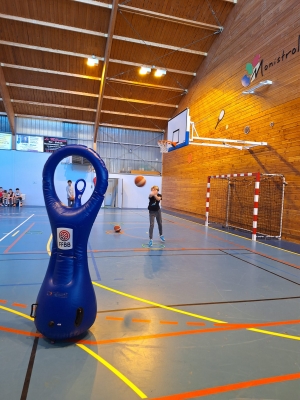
(44,46)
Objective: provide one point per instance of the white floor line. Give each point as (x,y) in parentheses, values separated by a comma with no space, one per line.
(16,227)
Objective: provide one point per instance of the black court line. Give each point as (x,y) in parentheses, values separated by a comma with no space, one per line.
(274,259)
(29,370)
(202,304)
(264,269)
(165,254)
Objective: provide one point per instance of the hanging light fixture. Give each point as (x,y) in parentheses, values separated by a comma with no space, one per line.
(160,72)
(145,70)
(92,61)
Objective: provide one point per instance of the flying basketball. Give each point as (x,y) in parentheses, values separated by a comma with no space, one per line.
(140,181)
(117,228)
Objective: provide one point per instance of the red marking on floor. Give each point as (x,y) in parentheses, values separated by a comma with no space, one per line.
(196,323)
(18,238)
(115,318)
(141,320)
(169,322)
(3,301)
(19,305)
(230,387)
(20,332)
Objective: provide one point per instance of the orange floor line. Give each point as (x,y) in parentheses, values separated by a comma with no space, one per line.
(115,318)
(18,238)
(225,327)
(275,259)
(230,387)
(260,324)
(3,301)
(19,305)
(141,320)
(169,322)
(20,332)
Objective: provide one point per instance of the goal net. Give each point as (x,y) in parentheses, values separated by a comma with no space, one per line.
(251,202)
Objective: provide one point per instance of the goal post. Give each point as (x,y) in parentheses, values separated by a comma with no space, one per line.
(248,201)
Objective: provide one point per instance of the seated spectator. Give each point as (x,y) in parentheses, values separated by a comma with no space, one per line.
(10,197)
(5,198)
(1,196)
(18,198)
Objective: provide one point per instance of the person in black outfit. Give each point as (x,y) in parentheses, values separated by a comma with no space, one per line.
(155,212)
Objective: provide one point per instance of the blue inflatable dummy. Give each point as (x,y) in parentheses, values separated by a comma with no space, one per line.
(79,192)
(66,304)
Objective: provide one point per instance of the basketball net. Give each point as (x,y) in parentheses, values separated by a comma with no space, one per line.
(163,144)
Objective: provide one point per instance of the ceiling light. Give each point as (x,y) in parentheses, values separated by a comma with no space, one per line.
(92,61)
(145,70)
(160,72)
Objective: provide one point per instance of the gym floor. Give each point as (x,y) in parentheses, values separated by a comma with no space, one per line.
(207,314)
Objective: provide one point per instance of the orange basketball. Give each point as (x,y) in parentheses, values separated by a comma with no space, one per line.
(117,228)
(140,181)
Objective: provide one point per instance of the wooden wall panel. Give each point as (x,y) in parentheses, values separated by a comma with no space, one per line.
(272,30)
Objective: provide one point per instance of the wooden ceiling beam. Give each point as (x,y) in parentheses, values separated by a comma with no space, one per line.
(38,103)
(73,54)
(95,78)
(112,23)
(76,121)
(63,106)
(175,71)
(7,102)
(47,49)
(94,3)
(136,128)
(141,101)
(148,85)
(134,115)
(47,89)
(169,18)
(52,25)
(50,71)
(160,45)
(95,33)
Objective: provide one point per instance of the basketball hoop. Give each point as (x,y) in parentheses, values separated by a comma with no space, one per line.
(163,144)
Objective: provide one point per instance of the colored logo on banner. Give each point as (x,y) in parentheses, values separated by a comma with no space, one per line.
(252,71)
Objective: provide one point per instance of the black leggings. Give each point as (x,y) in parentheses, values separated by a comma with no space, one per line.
(152,216)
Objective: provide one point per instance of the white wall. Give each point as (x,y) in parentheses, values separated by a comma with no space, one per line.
(24,170)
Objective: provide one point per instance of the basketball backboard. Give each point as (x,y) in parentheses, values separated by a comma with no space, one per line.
(179,129)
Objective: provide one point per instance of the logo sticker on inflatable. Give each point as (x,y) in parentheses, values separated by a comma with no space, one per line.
(65,238)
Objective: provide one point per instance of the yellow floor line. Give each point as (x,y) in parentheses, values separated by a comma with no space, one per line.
(274,334)
(93,354)
(16,312)
(194,315)
(114,370)
(159,305)
(15,233)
